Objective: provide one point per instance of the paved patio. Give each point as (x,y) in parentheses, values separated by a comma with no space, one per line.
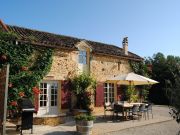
(101,125)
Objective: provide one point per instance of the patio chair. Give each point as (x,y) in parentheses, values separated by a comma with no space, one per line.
(108,108)
(134,111)
(148,110)
(142,110)
(117,109)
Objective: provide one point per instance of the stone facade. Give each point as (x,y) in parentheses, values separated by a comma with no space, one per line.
(64,65)
(103,67)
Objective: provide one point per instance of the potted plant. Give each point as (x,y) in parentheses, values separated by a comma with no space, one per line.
(84,123)
(131,94)
(83,87)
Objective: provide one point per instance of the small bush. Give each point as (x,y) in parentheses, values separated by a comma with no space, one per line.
(85,117)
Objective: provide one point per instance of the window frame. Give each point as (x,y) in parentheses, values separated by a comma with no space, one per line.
(109,92)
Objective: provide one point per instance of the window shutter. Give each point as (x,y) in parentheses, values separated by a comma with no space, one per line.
(36,102)
(65,95)
(119,92)
(100,94)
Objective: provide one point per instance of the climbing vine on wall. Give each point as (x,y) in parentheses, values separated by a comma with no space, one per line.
(28,65)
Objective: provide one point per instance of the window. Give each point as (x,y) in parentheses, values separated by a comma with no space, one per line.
(54,89)
(109,92)
(43,95)
(82,57)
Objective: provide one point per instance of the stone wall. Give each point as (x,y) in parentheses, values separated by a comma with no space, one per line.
(104,67)
(64,65)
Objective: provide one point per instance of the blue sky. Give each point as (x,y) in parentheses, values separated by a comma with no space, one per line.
(151,25)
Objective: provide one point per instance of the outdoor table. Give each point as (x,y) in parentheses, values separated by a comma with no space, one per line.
(126,107)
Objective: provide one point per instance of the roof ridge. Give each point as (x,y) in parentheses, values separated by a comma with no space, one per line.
(35,30)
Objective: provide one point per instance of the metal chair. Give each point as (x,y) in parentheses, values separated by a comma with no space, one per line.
(134,111)
(142,110)
(148,110)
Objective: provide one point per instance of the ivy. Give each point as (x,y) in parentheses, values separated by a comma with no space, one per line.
(28,65)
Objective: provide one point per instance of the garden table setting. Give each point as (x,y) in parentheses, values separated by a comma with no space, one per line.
(127,106)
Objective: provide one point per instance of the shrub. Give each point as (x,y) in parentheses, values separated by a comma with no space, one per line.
(84,117)
(81,86)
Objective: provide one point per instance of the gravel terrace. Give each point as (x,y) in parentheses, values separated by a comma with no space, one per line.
(161,124)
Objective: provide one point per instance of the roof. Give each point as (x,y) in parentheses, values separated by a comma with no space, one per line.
(67,42)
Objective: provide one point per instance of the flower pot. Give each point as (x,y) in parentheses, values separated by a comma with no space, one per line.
(84,127)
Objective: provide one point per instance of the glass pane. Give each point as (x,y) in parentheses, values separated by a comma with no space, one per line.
(52,97)
(52,91)
(44,103)
(41,85)
(45,91)
(41,97)
(52,103)
(41,103)
(55,91)
(45,85)
(45,97)
(52,86)
(80,52)
(106,95)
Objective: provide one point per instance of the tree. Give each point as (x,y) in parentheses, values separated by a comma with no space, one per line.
(82,87)
(157,93)
(141,68)
(166,70)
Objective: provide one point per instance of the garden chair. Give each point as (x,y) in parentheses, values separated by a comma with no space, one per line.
(117,109)
(142,110)
(134,111)
(108,108)
(148,110)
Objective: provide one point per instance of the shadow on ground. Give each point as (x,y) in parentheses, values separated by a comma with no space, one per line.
(62,133)
(110,119)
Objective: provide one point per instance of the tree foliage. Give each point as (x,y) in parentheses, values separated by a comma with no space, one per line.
(166,70)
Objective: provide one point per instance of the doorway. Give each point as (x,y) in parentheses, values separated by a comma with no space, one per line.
(48,98)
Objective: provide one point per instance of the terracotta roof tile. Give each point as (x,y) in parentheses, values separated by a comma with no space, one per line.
(67,42)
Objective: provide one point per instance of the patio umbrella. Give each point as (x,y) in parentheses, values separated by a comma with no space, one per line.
(131,79)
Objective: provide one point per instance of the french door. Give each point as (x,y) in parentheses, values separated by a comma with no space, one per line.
(109,92)
(48,98)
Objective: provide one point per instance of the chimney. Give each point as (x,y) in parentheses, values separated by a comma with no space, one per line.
(125,45)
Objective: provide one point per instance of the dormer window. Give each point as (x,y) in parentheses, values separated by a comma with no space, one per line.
(82,57)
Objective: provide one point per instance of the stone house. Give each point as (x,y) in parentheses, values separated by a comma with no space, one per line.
(71,57)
